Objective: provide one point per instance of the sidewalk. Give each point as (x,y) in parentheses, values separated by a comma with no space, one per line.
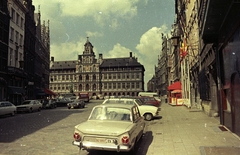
(181,131)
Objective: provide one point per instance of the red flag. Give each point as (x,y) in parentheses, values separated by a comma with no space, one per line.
(183,49)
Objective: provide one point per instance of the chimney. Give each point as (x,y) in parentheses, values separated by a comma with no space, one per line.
(52,59)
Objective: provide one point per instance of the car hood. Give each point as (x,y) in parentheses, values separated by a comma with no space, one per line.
(104,127)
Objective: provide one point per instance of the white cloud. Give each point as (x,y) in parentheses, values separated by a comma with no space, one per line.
(149,47)
(118,51)
(98,10)
(68,50)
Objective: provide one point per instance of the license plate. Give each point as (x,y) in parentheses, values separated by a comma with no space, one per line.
(100,140)
(110,141)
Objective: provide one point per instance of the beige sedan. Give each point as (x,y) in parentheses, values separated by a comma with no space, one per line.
(29,106)
(110,127)
(7,108)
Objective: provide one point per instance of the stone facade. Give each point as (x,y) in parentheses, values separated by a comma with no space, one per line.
(107,77)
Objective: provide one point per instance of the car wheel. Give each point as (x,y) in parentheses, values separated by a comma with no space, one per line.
(13,113)
(52,106)
(83,106)
(30,110)
(148,117)
(69,107)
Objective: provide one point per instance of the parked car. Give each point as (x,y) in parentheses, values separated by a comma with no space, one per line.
(147,111)
(110,127)
(49,104)
(150,101)
(62,102)
(77,103)
(7,108)
(29,106)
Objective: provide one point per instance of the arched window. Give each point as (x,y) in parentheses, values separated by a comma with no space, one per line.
(80,77)
(80,87)
(94,87)
(87,87)
(94,77)
(87,77)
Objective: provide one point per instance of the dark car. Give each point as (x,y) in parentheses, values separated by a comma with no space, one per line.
(150,101)
(63,102)
(49,104)
(77,103)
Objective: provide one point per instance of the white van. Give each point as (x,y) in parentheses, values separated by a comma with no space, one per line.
(150,94)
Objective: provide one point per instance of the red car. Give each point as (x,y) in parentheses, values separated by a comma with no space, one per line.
(150,101)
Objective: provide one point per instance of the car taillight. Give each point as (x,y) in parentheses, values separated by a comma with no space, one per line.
(76,136)
(125,139)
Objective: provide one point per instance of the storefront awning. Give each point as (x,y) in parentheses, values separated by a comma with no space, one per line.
(49,92)
(175,85)
(176,91)
(16,90)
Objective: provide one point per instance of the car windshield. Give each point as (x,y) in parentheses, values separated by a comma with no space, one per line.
(110,113)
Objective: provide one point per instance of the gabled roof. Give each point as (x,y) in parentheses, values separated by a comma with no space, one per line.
(120,62)
(64,64)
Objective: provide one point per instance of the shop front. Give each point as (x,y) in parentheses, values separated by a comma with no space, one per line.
(175,93)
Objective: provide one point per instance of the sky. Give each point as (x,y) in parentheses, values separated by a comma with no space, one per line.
(114,27)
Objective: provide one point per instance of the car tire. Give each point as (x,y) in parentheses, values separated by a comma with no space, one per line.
(52,106)
(148,116)
(69,107)
(30,110)
(39,109)
(13,113)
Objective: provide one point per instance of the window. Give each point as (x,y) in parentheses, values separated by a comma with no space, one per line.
(118,76)
(114,85)
(137,85)
(109,76)
(11,56)
(127,75)
(11,34)
(21,40)
(119,85)
(137,75)
(13,14)
(16,37)
(17,19)
(109,86)
(21,24)
(123,85)
(123,75)
(133,85)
